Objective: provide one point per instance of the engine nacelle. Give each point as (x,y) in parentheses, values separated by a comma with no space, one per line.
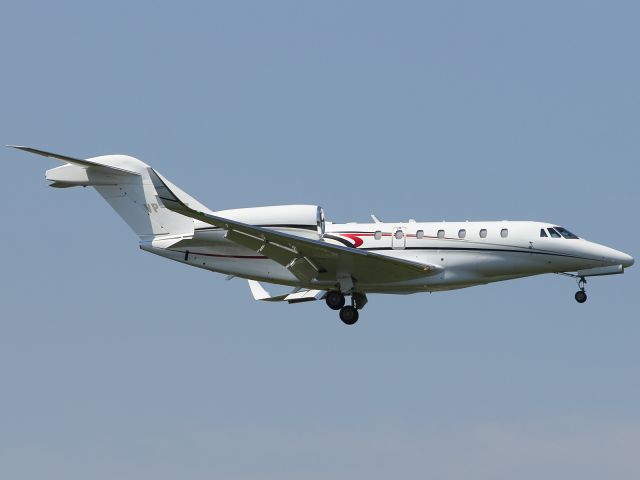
(303,220)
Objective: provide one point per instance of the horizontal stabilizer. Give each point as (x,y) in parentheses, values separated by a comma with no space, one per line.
(75,161)
(123,181)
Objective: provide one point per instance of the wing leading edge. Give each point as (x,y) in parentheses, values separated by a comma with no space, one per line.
(309,260)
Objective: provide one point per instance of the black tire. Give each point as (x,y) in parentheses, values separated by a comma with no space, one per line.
(581,296)
(335,300)
(349,315)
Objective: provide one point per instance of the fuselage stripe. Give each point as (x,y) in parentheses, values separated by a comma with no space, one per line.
(527,251)
(252,257)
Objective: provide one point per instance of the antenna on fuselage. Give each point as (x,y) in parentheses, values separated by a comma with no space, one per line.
(375,219)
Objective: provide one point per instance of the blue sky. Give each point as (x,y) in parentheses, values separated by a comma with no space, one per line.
(117,363)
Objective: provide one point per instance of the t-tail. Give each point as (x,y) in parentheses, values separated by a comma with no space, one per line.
(125,183)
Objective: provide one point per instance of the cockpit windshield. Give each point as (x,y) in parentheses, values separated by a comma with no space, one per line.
(566,233)
(553,233)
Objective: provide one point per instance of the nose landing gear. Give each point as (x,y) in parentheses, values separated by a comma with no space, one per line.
(581,295)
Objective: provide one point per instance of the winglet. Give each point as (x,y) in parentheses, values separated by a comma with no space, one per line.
(258,291)
(297,296)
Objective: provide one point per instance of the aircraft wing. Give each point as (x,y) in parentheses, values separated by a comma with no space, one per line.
(297,296)
(307,259)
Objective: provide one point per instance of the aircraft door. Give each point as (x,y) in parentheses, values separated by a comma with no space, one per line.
(399,237)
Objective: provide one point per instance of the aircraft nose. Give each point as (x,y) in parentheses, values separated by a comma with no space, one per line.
(626,260)
(621,258)
(612,256)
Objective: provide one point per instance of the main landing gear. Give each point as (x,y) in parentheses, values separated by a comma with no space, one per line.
(349,313)
(335,300)
(581,295)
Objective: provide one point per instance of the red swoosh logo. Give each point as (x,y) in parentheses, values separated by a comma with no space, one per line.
(357,241)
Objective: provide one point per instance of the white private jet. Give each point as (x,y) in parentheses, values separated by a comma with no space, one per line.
(294,245)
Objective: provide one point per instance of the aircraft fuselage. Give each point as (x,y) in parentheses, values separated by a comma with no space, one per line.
(469,253)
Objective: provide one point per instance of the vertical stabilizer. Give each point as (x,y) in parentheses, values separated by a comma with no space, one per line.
(125,184)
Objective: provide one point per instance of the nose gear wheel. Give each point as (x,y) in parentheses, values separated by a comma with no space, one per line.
(581,295)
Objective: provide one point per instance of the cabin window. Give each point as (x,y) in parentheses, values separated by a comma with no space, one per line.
(504,233)
(483,233)
(440,233)
(566,233)
(553,233)
(420,234)
(377,235)
(543,233)
(399,234)
(462,233)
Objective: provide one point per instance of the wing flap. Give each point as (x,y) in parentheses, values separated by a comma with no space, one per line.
(303,269)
